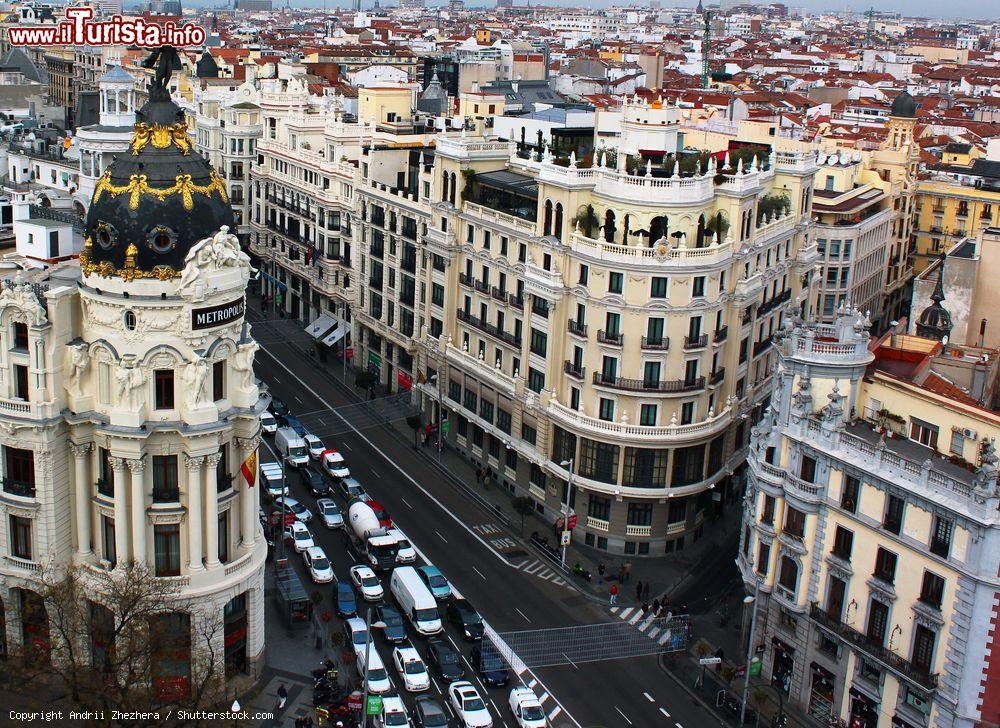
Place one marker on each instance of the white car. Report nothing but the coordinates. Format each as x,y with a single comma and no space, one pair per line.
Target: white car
367,583
356,631
300,537
393,714
270,477
301,512
406,554
378,677
330,513
318,565
411,669
315,446
469,706
527,709
334,465
268,424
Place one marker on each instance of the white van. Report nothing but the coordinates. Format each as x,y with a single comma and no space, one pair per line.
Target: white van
415,600
291,446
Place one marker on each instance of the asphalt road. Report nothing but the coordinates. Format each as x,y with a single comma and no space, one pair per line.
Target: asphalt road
467,545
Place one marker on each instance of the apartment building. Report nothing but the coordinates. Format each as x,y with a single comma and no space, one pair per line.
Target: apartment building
871,534
617,325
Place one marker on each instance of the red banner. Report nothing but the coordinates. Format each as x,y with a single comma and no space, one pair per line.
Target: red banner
404,380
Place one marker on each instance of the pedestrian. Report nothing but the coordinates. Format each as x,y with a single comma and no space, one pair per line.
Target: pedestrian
601,569
628,571
488,477
656,607
638,591
621,574
263,303
282,696
479,476
300,722
307,722
613,591
645,591
645,609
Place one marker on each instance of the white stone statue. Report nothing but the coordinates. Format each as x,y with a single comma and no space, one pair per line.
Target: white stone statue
21,295
78,362
243,362
196,374
222,250
130,380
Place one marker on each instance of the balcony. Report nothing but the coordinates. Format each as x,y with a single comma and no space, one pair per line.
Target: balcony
488,328
761,346
717,376
774,302
482,286
573,370
499,294
516,301
643,385
695,342
631,530
615,338
465,279
598,524
21,488
721,335
576,328
874,650
655,343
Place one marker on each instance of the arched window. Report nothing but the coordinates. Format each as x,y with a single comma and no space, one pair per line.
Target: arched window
444,186
547,227
700,238
557,231
609,226
454,184
657,229
788,577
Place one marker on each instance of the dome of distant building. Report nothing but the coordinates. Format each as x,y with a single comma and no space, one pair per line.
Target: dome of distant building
434,99
904,106
155,201
935,321
207,67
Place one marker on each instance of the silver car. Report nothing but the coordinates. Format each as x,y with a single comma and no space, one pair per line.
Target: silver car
330,513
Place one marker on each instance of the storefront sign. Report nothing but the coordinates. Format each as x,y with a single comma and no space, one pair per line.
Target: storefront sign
214,316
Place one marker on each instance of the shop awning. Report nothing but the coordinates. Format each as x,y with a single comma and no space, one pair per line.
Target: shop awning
338,333
321,326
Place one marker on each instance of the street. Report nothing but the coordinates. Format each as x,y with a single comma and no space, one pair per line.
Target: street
468,546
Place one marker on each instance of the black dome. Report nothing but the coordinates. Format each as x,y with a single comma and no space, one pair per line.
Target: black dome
206,67
935,321
904,107
155,201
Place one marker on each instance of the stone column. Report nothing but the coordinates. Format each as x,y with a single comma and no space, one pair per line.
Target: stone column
138,468
249,496
81,462
212,511
121,511
194,518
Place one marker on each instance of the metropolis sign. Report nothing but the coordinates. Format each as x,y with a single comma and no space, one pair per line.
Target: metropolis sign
225,313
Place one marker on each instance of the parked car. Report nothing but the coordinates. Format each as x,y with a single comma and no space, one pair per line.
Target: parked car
356,634
393,713
406,554
347,604
488,663
412,670
300,511
278,408
314,445
526,707
464,616
299,536
315,482
367,583
469,706
330,513
429,713
318,565
445,659
272,478
351,489
268,424
335,465
378,676
394,631
435,581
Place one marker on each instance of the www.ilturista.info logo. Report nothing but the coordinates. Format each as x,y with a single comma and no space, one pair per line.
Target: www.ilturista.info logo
78,29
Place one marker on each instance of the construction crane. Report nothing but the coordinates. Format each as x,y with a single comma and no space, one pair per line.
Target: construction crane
870,32
706,49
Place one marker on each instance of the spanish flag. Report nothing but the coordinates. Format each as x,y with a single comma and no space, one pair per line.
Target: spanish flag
249,469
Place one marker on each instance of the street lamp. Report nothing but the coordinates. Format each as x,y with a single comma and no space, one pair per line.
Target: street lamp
750,646
436,380
569,488
284,499
368,645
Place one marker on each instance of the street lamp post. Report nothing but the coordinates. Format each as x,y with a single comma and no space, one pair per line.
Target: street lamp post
569,489
750,646
368,645
440,418
284,499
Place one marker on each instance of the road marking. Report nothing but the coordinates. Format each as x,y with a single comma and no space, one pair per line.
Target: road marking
652,634
570,661
555,711
623,715
678,725
614,610
346,446
482,575
650,698
436,686
625,612
521,564
664,711
277,380
441,537
636,617
296,398
543,697
407,504
495,706
532,683
537,566
520,612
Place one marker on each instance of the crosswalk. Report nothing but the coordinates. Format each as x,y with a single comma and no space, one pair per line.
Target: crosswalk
515,554
668,633
551,708
541,570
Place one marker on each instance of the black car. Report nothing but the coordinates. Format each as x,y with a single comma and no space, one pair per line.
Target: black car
429,713
394,631
486,660
464,616
314,481
278,408
444,658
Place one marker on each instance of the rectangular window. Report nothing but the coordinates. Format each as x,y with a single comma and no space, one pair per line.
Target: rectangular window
584,274
615,282
941,537
788,577
698,287
167,545
607,409
645,467
640,514
689,465
20,537
19,472
932,590
687,413
795,523
849,494
486,410
924,433
885,565
599,460
878,618
218,380
957,442
835,598
651,373
165,489
767,512
658,287
470,400
224,537
20,336
164,382
539,342
893,519
843,543
21,390
763,559
807,471
108,540
503,420
536,380
529,434
223,480
677,513
647,415
599,507
923,648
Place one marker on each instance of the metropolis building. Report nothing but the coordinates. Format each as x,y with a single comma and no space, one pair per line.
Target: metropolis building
128,404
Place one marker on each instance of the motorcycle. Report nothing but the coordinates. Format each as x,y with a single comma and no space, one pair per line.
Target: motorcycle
328,668
583,573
